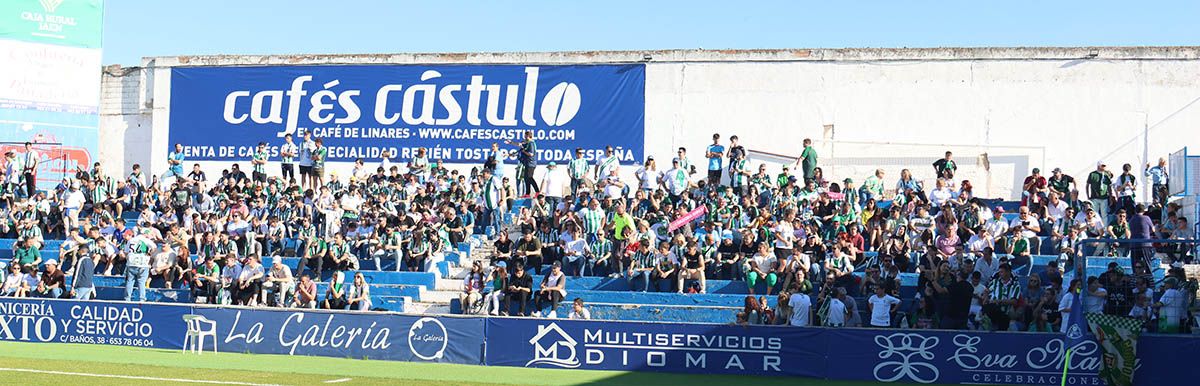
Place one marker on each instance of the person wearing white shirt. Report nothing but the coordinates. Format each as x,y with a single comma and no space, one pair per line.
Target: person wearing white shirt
1055,208
996,225
837,313
613,187
287,157
1172,306
676,180
649,178
1029,223
881,306
1065,303
801,309
578,311
987,264
1095,296
386,160
979,241
607,164
72,204
554,184
941,194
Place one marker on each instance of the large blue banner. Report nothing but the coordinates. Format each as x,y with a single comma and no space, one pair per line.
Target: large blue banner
695,348
119,324
341,334
925,356
455,111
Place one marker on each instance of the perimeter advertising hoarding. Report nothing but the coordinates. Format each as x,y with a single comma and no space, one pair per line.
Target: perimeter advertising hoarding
455,111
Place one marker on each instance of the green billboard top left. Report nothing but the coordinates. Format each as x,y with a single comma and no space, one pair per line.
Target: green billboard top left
75,23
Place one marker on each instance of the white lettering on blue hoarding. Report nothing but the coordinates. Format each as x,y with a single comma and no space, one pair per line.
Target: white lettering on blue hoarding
418,103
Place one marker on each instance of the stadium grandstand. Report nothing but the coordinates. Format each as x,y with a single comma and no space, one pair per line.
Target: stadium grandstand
841,214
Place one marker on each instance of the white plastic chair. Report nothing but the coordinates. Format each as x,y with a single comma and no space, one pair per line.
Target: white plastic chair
199,327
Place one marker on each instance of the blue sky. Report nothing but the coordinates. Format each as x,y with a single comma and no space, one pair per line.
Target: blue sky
137,28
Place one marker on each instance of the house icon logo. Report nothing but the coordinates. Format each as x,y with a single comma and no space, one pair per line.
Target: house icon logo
553,347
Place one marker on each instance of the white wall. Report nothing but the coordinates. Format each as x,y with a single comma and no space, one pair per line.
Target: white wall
1079,110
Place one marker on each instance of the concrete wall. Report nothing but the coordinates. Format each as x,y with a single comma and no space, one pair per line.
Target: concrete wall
1024,107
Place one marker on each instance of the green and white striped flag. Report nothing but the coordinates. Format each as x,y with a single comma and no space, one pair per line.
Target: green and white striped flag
1117,337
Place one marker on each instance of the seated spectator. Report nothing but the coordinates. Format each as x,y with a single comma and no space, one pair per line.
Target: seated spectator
691,266
360,294
552,290
163,266
249,282
499,283
758,268
472,289
279,282
206,281
26,254
520,288
756,312
578,311
335,295
306,293
53,281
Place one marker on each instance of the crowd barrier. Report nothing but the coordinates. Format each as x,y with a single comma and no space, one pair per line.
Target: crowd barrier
920,356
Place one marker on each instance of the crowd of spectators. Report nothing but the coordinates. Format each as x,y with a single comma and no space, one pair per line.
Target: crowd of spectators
797,234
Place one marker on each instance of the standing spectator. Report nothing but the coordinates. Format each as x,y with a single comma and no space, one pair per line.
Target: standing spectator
1126,188
1158,179
137,265
578,311
1066,302
1142,227
287,158
174,163
318,156
882,306
258,163
945,167
801,305
83,286
520,288
554,185
305,154
577,170
1093,300
1172,307
29,169
1099,190
715,153
808,161
527,156
1003,294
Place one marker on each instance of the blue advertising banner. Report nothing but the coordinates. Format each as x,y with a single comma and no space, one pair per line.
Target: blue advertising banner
118,324
949,357
455,111
924,356
695,348
343,334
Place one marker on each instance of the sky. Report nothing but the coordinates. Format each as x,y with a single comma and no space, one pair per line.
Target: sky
134,29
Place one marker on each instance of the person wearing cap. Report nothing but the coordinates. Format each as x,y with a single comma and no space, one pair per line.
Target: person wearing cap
1172,307
552,290
53,281
279,283
1099,190
1061,182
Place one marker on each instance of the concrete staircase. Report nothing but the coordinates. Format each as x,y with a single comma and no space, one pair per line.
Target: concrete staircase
437,301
